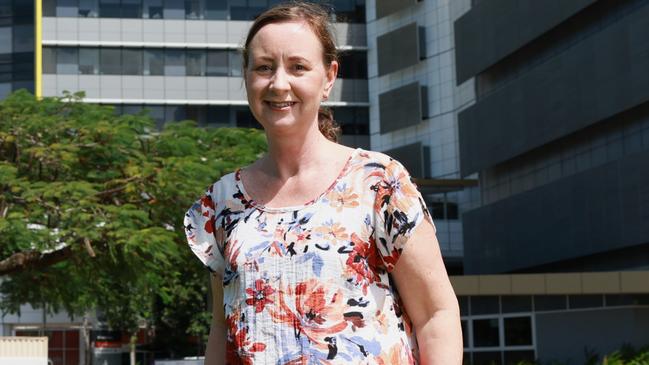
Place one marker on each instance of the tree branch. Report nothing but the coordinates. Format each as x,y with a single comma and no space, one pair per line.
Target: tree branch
22,261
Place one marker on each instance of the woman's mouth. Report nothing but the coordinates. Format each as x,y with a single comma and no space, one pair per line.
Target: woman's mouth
281,106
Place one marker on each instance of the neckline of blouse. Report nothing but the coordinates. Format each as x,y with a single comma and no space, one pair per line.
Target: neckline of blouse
259,206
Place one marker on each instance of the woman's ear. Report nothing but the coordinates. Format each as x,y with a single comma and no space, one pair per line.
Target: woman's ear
332,72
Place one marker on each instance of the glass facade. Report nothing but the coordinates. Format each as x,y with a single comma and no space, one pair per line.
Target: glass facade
349,11
16,46
168,62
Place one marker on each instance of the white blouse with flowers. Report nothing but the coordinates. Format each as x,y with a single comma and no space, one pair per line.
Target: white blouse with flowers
310,284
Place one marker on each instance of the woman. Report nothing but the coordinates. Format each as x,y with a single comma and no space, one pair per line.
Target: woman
354,275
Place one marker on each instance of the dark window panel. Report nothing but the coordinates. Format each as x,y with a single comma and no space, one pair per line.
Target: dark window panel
5,89
217,63
132,61
518,331
132,9
518,357
89,8
6,39
175,62
195,62
244,118
67,8
487,304
89,61
353,65
516,303
398,49
216,10
195,9
49,60
487,358
463,302
174,9
153,62
217,114
109,9
49,7
67,61
174,113
585,301
131,108
23,38
110,61
614,300
549,302
196,113
485,332
465,332
153,9
400,107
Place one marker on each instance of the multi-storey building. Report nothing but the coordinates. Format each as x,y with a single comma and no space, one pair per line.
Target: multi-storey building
559,135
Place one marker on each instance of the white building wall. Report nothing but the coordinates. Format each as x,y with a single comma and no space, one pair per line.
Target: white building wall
437,73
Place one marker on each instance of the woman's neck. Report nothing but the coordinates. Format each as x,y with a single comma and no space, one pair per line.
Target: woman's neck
289,155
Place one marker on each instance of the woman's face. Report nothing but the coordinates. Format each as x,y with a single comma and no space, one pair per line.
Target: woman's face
286,78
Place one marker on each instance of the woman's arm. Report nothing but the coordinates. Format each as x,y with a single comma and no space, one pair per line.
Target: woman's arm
429,299
215,352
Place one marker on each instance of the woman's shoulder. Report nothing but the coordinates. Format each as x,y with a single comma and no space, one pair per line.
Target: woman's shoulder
223,189
377,161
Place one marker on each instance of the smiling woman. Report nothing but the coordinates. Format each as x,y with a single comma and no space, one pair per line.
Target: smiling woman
320,254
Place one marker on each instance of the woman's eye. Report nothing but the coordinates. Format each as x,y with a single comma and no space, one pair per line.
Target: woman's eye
299,67
263,68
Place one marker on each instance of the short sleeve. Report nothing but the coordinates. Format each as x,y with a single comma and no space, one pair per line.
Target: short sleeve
201,232
398,210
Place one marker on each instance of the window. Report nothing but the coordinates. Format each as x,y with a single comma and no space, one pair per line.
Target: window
516,303
517,357
218,115
174,9
195,62
153,9
195,9
175,113
49,60
110,61
67,61
131,8
585,301
217,63
518,331
88,61
549,302
131,61
174,62
235,62
5,89
6,40
88,8
485,332
49,7
110,9
216,10
153,62
486,358
67,8
353,65
484,305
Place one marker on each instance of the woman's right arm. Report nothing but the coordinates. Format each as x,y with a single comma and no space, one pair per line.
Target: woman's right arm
215,352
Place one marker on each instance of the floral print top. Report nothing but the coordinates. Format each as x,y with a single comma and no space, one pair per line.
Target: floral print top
310,284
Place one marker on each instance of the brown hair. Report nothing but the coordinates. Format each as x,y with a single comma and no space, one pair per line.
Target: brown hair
317,18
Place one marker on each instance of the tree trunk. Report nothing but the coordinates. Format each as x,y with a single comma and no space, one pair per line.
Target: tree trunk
132,345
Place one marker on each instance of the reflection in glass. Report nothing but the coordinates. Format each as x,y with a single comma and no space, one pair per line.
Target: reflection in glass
485,332
88,8
174,62
67,61
153,62
195,9
67,8
174,9
49,60
131,8
89,61
109,9
195,60
5,89
153,9
216,10
235,63
110,61
23,35
49,7
6,40
131,61
217,63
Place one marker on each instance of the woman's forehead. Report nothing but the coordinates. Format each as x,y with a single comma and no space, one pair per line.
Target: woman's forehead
296,38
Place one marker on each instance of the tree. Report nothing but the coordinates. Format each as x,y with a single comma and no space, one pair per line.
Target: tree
91,208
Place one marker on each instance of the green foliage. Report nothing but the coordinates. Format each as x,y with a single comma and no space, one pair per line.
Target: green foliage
77,175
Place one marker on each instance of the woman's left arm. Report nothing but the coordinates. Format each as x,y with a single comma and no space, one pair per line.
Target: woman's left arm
424,286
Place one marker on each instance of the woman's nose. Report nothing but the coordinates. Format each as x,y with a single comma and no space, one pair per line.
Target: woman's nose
279,81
